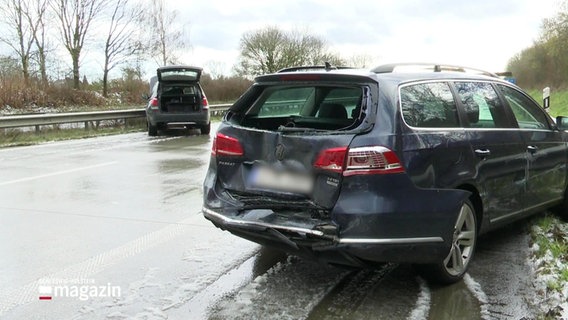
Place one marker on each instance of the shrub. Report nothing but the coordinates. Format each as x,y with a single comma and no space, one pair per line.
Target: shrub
224,89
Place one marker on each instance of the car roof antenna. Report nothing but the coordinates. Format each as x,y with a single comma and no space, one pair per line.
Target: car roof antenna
328,66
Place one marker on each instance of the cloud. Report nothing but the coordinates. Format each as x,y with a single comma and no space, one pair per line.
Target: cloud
484,33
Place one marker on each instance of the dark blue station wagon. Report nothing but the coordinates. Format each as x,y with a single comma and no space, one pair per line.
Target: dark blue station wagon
356,167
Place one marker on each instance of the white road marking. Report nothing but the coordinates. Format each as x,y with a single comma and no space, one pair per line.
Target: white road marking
29,292
57,173
423,302
475,288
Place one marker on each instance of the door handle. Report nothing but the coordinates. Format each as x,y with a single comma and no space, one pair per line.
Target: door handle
532,149
482,153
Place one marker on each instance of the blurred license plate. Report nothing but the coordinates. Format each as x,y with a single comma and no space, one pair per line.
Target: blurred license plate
266,178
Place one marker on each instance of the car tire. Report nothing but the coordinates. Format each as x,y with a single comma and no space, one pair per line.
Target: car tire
456,263
562,209
152,130
206,129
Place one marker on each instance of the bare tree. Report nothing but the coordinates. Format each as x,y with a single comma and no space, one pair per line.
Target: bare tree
270,49
261,51
216,69
165,35
37,20
360,60
75,18
120,44
20,35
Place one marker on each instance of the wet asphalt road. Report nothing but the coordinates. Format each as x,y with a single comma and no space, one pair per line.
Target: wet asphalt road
123,213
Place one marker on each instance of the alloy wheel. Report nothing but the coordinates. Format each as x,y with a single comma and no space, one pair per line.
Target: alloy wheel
463,243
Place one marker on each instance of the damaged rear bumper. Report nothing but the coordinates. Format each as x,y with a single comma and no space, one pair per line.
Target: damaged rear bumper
322,241
374,220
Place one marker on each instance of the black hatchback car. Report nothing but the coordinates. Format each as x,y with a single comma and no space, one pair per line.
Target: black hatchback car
177,100
357,167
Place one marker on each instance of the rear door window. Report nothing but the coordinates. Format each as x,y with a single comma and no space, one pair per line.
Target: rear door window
482,105
429,105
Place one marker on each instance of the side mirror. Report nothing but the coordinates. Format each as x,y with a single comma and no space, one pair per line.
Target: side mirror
562,122
145,96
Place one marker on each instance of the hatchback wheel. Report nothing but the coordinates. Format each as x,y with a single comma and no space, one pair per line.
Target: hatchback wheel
456,263
152,130
206,129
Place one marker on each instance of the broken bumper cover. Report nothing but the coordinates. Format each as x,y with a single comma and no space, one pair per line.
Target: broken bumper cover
374,220
313,239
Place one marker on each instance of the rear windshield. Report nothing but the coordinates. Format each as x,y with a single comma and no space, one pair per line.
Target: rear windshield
180,75
293,108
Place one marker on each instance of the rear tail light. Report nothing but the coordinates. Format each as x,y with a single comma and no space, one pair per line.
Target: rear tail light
359,161
154,103
372,160
226,146
204,103
331,159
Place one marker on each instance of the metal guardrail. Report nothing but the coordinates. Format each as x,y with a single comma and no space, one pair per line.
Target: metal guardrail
37,120
71,117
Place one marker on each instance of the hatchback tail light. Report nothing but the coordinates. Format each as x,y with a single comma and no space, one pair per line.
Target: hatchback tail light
154,103
226,146
204,102
359,161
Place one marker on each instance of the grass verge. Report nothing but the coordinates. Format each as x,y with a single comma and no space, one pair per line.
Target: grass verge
17,137
549,253
558,101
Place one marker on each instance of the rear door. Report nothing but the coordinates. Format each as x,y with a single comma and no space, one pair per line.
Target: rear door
288,152
545,149
500,156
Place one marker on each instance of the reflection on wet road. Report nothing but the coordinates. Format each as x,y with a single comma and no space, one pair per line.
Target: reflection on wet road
124,212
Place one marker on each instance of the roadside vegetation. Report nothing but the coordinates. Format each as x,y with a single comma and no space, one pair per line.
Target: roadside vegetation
549,253
15,137
558,100
546,61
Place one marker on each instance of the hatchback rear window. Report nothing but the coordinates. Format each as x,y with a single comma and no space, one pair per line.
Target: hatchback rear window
305,107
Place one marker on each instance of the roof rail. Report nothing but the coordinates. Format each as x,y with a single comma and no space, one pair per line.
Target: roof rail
434,67
326,67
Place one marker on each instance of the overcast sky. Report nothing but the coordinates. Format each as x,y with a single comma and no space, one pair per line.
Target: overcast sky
483,33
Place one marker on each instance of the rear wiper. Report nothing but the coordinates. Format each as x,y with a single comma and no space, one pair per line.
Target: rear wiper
299,129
